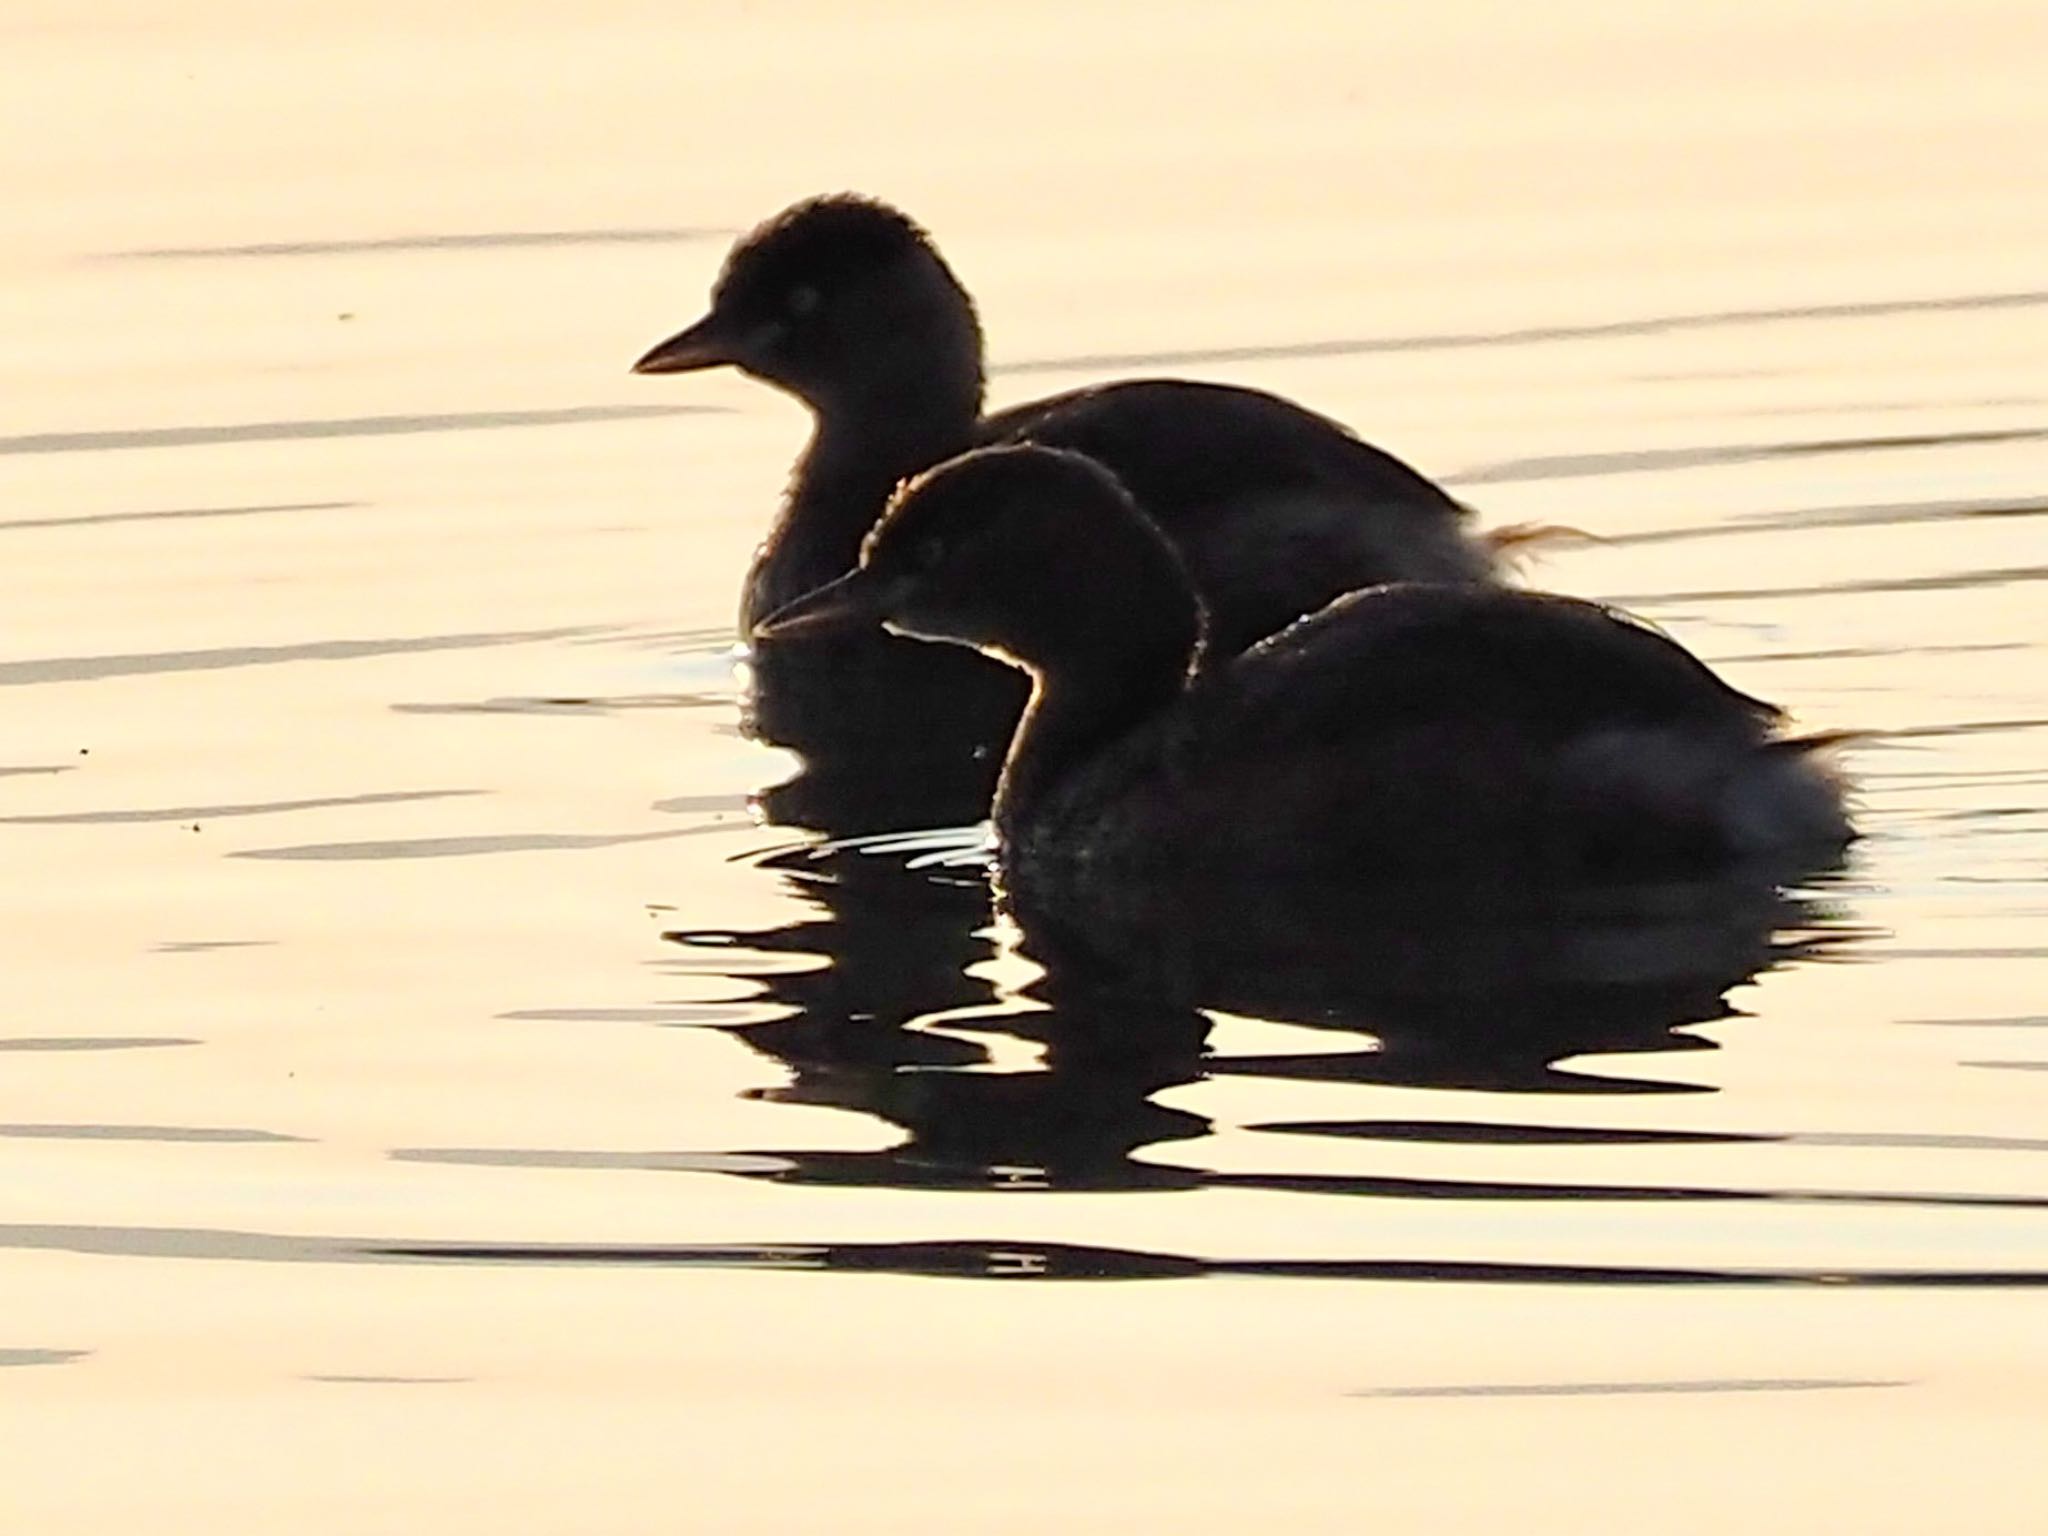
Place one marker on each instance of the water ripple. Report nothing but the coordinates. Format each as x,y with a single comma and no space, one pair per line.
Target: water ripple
342,426
13,1357
979,1258
481,240
463,847
1561,466
1598,330
1952,581
218,812
86,669
1629,1388
175,514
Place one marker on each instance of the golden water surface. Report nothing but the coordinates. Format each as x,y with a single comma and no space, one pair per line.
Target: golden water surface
422,1108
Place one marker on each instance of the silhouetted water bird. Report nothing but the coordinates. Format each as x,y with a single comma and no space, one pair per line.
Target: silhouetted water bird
844,303
1403,730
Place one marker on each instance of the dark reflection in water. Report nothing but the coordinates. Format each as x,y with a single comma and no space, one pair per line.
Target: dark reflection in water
1449,989
1026,1260
893,1027
891,733
1458,987
898,939
981,1259
1472,1133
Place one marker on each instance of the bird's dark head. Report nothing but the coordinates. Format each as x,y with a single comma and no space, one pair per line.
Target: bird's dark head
1035,553
841,300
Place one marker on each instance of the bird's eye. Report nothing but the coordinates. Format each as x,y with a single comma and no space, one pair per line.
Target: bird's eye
803,300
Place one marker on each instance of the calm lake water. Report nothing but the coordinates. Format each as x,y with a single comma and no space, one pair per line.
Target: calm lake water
429,1100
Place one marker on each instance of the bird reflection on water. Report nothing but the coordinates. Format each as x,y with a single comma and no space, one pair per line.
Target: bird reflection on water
1465,988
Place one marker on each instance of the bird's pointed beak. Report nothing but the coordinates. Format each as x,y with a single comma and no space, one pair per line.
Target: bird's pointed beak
710,343
857,600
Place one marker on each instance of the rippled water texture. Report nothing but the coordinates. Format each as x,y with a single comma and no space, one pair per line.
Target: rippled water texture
430,1102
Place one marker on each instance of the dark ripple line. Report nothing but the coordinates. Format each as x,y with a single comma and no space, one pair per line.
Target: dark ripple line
218,812
1629,1388
614,1162
1496,1133
465,847
180,1133
84,669
175,513
338,1379
680,1013
92,1042
15,1357
1952,728
1889,514
1386,1188
481,240
1023,1260
712,640
1599,330
1996,576
1869,653
1930,1140
340,426
1957,778
1573,465
683,805
594,706
1356,1186
1965,952
2002,1021
977,1258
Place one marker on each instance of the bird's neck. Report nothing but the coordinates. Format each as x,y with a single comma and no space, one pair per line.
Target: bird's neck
1101,687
